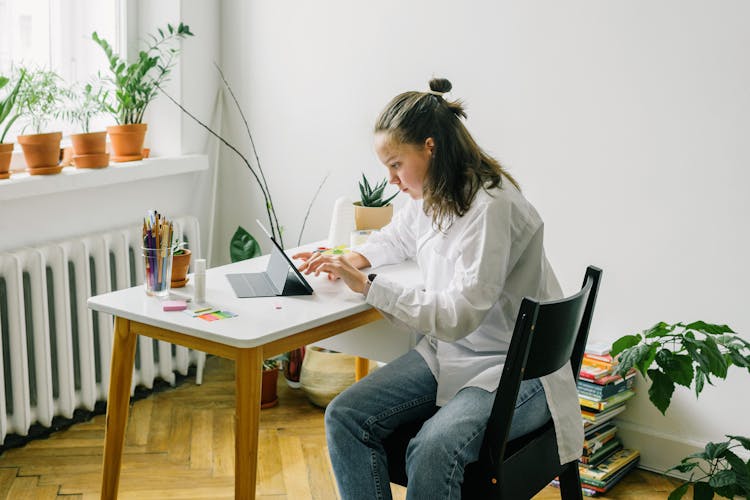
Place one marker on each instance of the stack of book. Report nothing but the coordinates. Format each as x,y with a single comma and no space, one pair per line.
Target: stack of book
602,396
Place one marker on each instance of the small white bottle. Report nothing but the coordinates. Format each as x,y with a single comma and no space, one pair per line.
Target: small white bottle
200,281
342,222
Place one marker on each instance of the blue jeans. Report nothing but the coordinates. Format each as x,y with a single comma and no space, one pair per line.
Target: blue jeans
359,418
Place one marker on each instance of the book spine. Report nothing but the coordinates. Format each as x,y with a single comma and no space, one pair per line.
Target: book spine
601,455
609,466
607,358
603,391
597,363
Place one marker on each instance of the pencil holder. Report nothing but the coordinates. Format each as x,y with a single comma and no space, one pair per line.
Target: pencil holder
158,266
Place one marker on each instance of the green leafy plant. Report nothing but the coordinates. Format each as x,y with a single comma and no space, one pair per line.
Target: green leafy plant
40,98
8,104
136,84
690,355
243,246
373,196
727,474
84,103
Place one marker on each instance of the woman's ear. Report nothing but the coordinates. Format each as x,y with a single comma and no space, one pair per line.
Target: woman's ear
429,144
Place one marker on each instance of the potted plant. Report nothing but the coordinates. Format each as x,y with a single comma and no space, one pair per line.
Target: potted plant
690,354
39,100
89,148
135,86
7,108
372,211
269,382
180,265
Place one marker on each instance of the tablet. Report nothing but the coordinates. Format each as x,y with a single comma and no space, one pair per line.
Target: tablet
280,278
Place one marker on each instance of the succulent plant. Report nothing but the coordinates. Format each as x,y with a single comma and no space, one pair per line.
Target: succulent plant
373,196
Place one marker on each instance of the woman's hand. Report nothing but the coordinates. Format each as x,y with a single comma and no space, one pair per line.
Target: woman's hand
337,266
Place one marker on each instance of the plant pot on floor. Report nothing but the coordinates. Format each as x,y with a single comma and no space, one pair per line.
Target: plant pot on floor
90,150
6,153
127,141
41,152
371,217
180,265
268,393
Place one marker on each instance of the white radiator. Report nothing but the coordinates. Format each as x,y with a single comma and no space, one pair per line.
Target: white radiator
55,352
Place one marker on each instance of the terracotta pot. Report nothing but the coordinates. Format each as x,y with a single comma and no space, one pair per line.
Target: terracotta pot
293,367
90,150
92,161
269,383
180,264
372,217
41,152
6,152
127,141
325,374
66,156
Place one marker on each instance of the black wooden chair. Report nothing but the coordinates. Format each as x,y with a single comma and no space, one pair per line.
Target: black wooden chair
545,337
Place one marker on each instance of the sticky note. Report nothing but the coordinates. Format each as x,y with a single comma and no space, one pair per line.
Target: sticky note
217,315
174,305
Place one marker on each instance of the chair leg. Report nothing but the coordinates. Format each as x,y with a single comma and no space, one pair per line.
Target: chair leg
570,482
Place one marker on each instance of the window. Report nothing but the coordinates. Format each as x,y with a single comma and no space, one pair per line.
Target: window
56,34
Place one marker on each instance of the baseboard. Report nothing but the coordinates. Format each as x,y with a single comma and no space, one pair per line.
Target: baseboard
659,450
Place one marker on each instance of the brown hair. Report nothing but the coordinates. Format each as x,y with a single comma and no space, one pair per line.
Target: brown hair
459,167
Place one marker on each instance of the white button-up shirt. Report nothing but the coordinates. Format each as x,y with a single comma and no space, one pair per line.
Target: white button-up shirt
475,274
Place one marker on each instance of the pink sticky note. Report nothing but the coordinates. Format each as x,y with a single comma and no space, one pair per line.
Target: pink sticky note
174,305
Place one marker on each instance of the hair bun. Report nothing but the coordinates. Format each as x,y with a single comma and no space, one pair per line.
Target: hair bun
440,85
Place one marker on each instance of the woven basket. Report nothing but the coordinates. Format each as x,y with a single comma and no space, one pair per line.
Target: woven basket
325,375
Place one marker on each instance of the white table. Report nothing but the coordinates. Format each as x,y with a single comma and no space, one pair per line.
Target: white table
264,327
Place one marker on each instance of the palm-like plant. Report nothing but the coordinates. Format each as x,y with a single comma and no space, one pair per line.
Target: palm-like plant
84,103
137,84
8,104
39,97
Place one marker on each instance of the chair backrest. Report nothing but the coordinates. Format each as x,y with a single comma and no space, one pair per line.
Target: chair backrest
546,336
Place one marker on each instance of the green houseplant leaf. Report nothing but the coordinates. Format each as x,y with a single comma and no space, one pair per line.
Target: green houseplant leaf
8,103
243,246
660,392
679,492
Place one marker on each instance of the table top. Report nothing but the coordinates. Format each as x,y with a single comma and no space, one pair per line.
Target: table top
259,320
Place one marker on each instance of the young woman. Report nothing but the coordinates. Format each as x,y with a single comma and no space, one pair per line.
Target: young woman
479,245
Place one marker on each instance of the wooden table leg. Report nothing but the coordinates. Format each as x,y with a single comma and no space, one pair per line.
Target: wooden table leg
121,375
248,375
361,368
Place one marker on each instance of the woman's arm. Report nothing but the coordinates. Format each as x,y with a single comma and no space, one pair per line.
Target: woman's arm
357,260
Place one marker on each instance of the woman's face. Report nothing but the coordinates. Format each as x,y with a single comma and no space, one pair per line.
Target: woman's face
407,164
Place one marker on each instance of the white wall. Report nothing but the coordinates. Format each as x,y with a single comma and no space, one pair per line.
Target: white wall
626,123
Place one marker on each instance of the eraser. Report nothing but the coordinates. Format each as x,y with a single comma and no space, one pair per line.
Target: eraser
174,305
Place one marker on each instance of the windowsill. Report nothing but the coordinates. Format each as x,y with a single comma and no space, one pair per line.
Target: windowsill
23,185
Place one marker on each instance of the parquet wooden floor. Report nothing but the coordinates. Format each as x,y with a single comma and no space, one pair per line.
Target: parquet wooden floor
180,444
